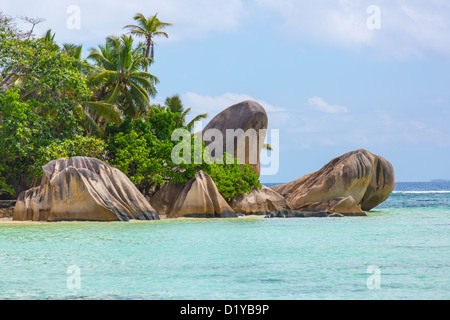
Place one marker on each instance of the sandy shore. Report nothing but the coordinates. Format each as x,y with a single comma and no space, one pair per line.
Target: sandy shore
10,221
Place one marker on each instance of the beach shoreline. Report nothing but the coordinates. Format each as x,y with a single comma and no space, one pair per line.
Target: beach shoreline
10,220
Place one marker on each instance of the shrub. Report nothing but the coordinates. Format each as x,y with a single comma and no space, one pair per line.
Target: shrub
233,179
68,148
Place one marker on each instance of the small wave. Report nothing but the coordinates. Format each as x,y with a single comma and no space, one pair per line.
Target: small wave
420,192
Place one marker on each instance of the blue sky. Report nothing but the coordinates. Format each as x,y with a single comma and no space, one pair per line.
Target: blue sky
329,83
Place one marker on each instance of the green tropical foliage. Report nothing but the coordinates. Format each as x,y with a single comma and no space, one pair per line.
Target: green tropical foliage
175,105
72,50
49,38
118,77
23,133
52,77
77,146
142,150
232,178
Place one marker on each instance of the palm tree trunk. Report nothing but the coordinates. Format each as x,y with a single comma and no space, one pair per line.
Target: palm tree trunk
147,52
152,46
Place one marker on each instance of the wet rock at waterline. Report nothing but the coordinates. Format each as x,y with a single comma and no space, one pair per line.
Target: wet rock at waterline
258,202
365,177
85,189
309,214
7,208
344,205
197,198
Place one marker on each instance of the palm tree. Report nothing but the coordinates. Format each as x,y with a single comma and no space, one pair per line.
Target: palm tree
72,50
148,28
95,115
49,40
49,37
175,105
118,78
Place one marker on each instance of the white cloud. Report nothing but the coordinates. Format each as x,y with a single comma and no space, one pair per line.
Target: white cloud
214,105
99,19
217,104
319,104
408,28
329,21
374,129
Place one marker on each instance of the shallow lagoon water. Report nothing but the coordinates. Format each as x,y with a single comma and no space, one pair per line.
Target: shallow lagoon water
407,238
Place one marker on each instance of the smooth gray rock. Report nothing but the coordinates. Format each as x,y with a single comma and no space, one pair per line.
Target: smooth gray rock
244,115
365,177
83,189
258,202
197,198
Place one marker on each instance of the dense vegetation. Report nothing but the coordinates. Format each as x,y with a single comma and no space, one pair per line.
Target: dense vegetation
56,104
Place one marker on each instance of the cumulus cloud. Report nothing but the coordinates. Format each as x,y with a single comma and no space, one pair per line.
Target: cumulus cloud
214,105
322,106
342,22
217,104
376,129
408,28
99,19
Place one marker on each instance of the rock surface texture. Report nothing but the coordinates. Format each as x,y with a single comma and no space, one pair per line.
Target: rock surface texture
85,189
352,183
7,208
258,202
245,118
197,198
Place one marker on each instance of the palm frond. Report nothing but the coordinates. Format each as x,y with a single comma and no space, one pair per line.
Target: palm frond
118,77
89,125
72,50
102,109
190,126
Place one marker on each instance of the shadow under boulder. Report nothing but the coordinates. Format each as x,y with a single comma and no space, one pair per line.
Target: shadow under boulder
308,214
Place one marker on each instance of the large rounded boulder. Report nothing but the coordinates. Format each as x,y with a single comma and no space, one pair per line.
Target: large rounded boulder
242,128
84,189
365,177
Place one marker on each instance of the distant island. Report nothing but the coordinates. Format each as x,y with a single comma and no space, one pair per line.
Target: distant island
440,180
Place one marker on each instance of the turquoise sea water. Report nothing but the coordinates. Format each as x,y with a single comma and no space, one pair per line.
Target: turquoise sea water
406,238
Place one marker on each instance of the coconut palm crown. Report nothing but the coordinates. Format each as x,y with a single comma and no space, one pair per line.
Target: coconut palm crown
119,79
148,28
